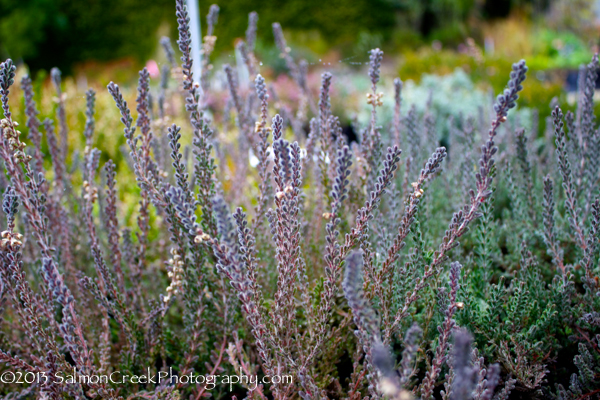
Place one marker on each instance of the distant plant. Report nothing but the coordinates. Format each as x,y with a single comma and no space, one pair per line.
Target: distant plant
353,268
65,33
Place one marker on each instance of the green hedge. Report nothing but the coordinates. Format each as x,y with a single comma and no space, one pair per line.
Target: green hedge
47,33
338,21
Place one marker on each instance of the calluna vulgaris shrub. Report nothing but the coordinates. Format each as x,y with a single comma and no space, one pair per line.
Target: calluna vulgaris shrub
356,270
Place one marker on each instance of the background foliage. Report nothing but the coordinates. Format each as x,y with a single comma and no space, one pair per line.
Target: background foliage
64,33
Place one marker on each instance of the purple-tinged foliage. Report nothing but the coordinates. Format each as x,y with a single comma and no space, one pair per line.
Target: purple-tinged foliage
211,19
445,330
549,225
295,69
10,206
251,31
7,78
397,122
408,368
568,185
375,58
168,49
90,99
465,373
61,112
334,256
33,123
364,316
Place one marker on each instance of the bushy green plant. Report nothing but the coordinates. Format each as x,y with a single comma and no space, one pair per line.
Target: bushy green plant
61,33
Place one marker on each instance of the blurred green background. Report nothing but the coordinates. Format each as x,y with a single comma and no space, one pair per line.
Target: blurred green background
68,33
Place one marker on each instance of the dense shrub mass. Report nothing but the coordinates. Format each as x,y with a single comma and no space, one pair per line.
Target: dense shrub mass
63,33
325,269
336,21
47,33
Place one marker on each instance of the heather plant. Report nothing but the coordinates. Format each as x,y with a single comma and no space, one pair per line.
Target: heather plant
386,267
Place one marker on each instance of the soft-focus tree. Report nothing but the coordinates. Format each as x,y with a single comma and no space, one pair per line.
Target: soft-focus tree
48,33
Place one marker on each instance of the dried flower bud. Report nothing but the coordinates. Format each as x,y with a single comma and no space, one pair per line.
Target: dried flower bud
176,272
200,238
12,241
